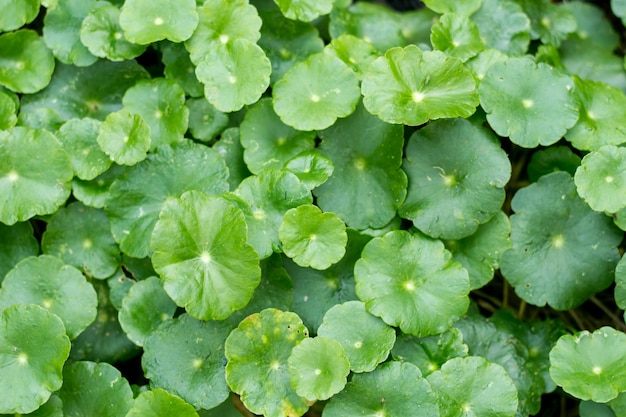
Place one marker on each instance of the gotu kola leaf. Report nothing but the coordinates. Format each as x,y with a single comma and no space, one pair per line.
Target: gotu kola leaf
158,402
79,139
305,10
16,13
125,137
601,179
27,63
456,35
146,22
201,253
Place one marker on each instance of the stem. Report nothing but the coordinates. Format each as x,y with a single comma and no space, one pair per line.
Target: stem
521,310
617,322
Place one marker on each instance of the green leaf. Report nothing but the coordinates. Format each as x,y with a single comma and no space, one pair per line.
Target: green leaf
367,185
312,238
601,106
16,13
457,35
322,87
55,286
205,121
620,284
257,352
145,307
16,243
588,365
158,402
563,252
229,147
551,23
8,109
311,167
52,408
393,389
161,104
35,175
365,339
185,356
408,86
593,27
531,103
33,349
410,281
305,10
430,352
480,64
234,74
355,52
619,8
125,137
137,195
618,405
267,141
457,172
451,6
146,22
264,199
480,253
471,385
102,34
555,158
27,63
504,26
600,179
200,252
61,31
81,237
79,139
95,192
179,68
318,368
221,22
94,389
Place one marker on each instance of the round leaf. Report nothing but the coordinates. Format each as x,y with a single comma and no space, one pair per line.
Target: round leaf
27,63
322,87
319,368
601,179
530,103
408,86
410,281
33,349
474,386
200,252
457,36
94,389
16,243
355,52
185,356
125,137
504,26
305,10
457,173
393,389
551,23
589,365
554,158
257,352
312,238
79,139
311,167
157,403
205,121
81,237
563,252
59,288
35,174
16,13
365,339
146,22
145,307
95,192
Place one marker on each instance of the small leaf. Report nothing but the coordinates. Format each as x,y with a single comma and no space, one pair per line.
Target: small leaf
16,13
158,402
355,52
600,179
305,10
95,192
504,26
185,356
588,365
312,238
147,22
205,121
311,167
16,243
179,68
257,352
79,139
551,23
322,87
27,63
318,368
410,281
125,137
33,349
408,86
456,35
451,6
200,252
554,158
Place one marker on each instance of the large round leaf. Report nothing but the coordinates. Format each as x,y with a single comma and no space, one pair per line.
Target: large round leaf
257,352
589,366
201,253
531,103
365,339
16,13
408,86
27,64
79,139
185,356
136,196
563,252
503,25
94,389
145,22
33,349
322,87
125,137
158,402
474,386
393,389
601,179
457,173
410,281
35,174
55,286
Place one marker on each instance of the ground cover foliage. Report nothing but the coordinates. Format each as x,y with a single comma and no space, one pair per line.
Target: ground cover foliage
312,207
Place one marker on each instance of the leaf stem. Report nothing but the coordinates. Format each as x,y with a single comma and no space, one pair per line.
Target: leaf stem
617,322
